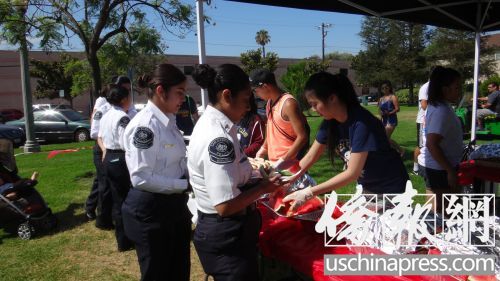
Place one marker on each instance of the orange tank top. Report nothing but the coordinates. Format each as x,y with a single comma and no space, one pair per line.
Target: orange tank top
279,132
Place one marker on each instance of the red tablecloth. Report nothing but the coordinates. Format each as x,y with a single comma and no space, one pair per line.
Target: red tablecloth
296,243
478,169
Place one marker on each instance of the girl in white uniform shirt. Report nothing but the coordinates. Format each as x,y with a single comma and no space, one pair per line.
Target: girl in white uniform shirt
155,213
226,235
110,139
100,194
94,201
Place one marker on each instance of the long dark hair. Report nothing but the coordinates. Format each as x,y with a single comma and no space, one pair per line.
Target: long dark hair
440,77
120,80
226,76
324,85
389,84
115,94
165,74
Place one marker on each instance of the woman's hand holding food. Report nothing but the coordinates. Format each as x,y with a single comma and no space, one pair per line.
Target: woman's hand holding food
299,197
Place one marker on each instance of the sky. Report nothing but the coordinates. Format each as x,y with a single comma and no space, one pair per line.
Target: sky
294,33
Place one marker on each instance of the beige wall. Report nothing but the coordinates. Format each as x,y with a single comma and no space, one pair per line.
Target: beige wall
10,79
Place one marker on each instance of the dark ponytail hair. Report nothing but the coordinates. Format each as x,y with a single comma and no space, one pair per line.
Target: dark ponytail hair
227,76
440,77
120,80
325,84
115,94
165,74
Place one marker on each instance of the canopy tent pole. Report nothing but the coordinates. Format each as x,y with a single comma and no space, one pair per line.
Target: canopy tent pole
476,86
477,50
201,44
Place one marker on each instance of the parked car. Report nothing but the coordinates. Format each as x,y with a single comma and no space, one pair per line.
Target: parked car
58,125
48,106
12,133
11,114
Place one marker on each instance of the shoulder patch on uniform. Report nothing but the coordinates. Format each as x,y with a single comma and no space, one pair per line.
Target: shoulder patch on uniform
124,121
143,138
221,151
97,115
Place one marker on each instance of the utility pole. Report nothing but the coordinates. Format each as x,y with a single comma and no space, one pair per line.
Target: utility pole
31,144
323,36
201,43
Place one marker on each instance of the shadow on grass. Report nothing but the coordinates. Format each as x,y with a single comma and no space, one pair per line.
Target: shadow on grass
68,219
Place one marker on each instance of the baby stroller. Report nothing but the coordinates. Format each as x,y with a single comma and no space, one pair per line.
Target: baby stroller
22,209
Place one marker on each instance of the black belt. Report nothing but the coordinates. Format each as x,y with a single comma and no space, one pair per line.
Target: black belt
184,192
248,210
115,150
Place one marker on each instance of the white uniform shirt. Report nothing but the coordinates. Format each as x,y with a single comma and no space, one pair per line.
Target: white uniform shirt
441,120
422,95
100,101
217,165
112,127
96,119
155,152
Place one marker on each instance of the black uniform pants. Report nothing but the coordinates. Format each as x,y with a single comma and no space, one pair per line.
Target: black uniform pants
160,227
119,182
227,247
104,201
92,199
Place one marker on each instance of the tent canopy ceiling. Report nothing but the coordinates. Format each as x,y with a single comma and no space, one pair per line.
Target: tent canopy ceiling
471,15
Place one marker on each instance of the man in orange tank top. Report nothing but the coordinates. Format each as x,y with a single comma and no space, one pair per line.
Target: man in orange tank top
287,130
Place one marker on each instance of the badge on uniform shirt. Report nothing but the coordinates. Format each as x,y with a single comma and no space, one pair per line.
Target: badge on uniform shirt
143,138
98,115
124,121
221,151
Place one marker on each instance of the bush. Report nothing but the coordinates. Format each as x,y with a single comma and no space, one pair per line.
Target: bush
404,95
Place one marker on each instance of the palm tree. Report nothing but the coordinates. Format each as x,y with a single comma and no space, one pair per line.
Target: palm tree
262,38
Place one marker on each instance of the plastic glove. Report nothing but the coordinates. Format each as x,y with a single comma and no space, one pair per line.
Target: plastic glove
277,163
262,153
281,164
299,197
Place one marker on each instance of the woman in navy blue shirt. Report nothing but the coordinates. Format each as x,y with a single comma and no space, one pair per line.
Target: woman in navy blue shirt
355,134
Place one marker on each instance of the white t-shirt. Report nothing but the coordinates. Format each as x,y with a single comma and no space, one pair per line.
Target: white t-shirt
441,119
422,95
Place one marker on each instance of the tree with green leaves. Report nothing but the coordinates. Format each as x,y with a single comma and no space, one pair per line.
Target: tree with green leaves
394,51
263,38
295,78
253,59
455,49
405,60
368,63
138,50
93,22
52,78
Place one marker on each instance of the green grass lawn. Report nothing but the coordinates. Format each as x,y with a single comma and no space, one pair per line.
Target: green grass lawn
77,250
